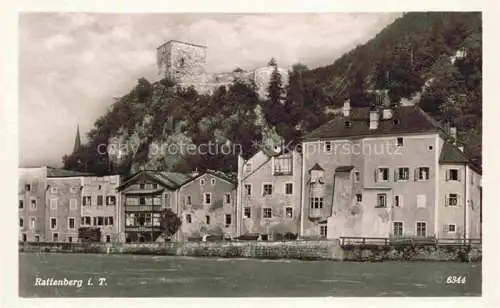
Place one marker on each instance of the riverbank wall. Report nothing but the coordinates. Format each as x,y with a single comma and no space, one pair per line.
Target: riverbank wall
299,250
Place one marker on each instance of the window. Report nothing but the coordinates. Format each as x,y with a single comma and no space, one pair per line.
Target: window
381,200
397,228
316,202
289,188
99,200
247,212
382,175
37,238
21,204
55,237
21,222
359,198
25,237
403,174
188,218
228,220
53,189
72,204
108,221
207,198
188,200
422,173
142,200
99,187
357,176
212,182
71,223
141,186
267,212
167,200
202,182
283,165
451,228
53,223
53,204
227,198
399,141
32,223
248,189
398,201
33,204
430,148
452,200
155,186
267,189
323,231
247,168
328,146
85,221
288,212
108,238
27,187
453,175
421,201
100,221
421,228
70,239
110,200
87,200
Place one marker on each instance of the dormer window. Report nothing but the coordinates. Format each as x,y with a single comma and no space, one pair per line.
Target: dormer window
347,123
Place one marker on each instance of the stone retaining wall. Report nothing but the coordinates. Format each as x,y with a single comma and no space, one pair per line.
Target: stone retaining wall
300,250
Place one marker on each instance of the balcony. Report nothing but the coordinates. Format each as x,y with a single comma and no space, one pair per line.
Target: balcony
143,208
142,228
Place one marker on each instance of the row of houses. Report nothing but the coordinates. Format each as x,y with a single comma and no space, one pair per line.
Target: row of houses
369,172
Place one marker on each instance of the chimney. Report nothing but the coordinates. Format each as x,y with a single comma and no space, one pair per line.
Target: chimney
346,110
453,133
195,173
374,116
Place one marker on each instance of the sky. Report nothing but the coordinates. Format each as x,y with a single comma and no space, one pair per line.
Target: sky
72,65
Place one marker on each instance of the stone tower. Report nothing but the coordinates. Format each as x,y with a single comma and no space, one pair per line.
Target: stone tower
184,62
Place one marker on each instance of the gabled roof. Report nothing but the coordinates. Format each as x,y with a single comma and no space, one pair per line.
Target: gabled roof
171,180
451,154
405,119
219,174
316,167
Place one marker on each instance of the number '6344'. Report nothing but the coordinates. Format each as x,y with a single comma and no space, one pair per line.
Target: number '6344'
455,279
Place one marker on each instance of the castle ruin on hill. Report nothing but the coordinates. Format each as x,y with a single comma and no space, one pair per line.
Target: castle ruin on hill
186,64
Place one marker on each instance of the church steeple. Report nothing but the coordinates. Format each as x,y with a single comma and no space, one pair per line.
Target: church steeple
77,145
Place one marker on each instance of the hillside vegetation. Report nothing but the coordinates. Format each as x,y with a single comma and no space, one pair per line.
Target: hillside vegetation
415,58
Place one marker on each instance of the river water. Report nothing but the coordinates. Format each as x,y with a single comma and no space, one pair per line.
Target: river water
102,275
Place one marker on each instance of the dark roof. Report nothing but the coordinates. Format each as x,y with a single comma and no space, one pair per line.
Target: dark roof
405,119
316,167
218,174
171,180
61,173
451,154
344,168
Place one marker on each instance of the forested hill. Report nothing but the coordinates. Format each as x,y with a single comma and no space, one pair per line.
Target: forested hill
415,50
435,59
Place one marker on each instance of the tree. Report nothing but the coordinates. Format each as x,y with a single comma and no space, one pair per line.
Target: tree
170,222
